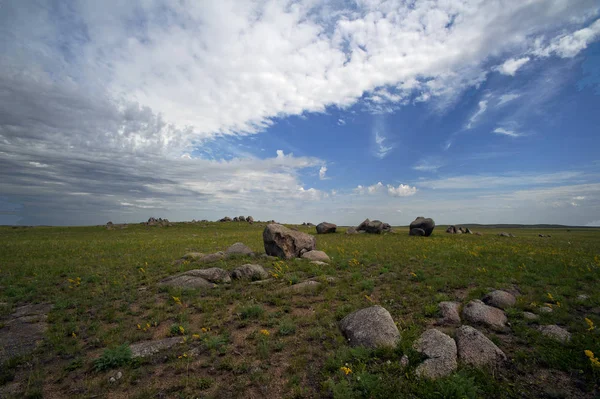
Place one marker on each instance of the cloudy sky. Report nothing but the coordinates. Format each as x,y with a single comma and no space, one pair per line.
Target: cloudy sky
306,110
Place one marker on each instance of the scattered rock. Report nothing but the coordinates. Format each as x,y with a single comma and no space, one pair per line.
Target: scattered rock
235,219
112,380
373,227
301,287
545,309
505,234
319,263
477,233
211,257
285,243
239,249
404,361
149,348
351,230
440,350
185,280
225,219
250,219
530,316
23,330
416,232
250,272
449,312
468,231
555,332
451,230
192,256
427,224
315,255
212,274
119,375
326,228
583,297
370,327
476,349
478,312
500,299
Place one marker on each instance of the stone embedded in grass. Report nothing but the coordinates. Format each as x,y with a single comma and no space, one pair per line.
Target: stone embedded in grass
212,274
302,287
185,280
23,330
480,313
371,327
530,316
286,243
476,349
326,228
149,348
505,234
545,309
449,312
250,272
500,299
583,297
319,263
315,255
211,257
440,350
555,332
239,249
191,256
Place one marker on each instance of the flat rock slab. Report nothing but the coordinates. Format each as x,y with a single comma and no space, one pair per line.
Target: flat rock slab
555,332
450,313
239,249
370,327
500,299
476,349
302,287
212,274
23,330
317,256
480,313
184,280
149,348
440,350
250,272
217,256
192,256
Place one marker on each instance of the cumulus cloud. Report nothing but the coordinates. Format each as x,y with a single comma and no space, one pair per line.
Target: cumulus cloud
322,173
570,44
510,66
402,190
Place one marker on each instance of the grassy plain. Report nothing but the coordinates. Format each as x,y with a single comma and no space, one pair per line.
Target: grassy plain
253,341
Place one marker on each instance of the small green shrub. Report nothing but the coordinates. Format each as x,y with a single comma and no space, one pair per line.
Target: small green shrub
286,327
252,312
112,358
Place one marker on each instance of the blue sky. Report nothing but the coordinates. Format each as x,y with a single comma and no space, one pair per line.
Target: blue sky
463,111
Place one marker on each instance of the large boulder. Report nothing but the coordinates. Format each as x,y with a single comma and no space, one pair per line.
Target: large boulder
427,224
416,232
500,299
372,226
451,230
242,218
315,255
479,313
476,349
370,327
326,228
239,249
225,219
286,243
250,219
440,350
250,272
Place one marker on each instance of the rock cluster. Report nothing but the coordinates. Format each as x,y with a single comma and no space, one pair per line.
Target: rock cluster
160,222
371,227
248,219
458,230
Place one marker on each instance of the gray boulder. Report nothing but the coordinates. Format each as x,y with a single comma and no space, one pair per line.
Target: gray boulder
476,349
250,272
351,230
315,255
301,287
416,232
326,228
500,299
239,249
191,256
213,274
370,327
468,231
286,243
149,348
449,312
250,219
556,333
440,350
451,230
241,218
480,313
235,219
371,226
211,257
530,316
427,224
185,280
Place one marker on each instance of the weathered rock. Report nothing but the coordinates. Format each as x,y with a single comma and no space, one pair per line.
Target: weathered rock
500,299
250,272
211,257
478,312
530,316
285,243
417,232
250,219
555,332
468,231
505,234
23,330
315,255
239,249
451,230
326,228
235,219
302,287
319,263
370,327
477,233
440,350
476,349
225,219
427,224
149,348
371,226
351,230
185,280
582,297
241,218
462,231
212,274
545,309
192,256
449,312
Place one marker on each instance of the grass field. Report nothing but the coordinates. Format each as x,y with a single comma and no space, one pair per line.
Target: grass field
245,340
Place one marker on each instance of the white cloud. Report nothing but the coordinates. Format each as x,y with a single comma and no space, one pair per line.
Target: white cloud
505,132
569,45
510,66
482,108
341,122
497,181
503,99
427,165
322,173
403,190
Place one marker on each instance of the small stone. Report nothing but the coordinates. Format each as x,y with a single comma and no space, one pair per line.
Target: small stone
211,257
480,313
315,255
250,272
370,327
449,312
545,309
112,380
239,249
555,332
148,348
119,375
476,349
192,256
404,361
301,287
530,316
500,299
583,297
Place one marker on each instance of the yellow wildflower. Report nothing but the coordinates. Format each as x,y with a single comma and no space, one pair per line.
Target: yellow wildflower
550,297
590,323
594,360
177,300
181,330
346,370
266,333
196,336
139,327
74,335
142,270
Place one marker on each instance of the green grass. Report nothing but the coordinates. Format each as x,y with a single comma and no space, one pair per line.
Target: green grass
103,285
